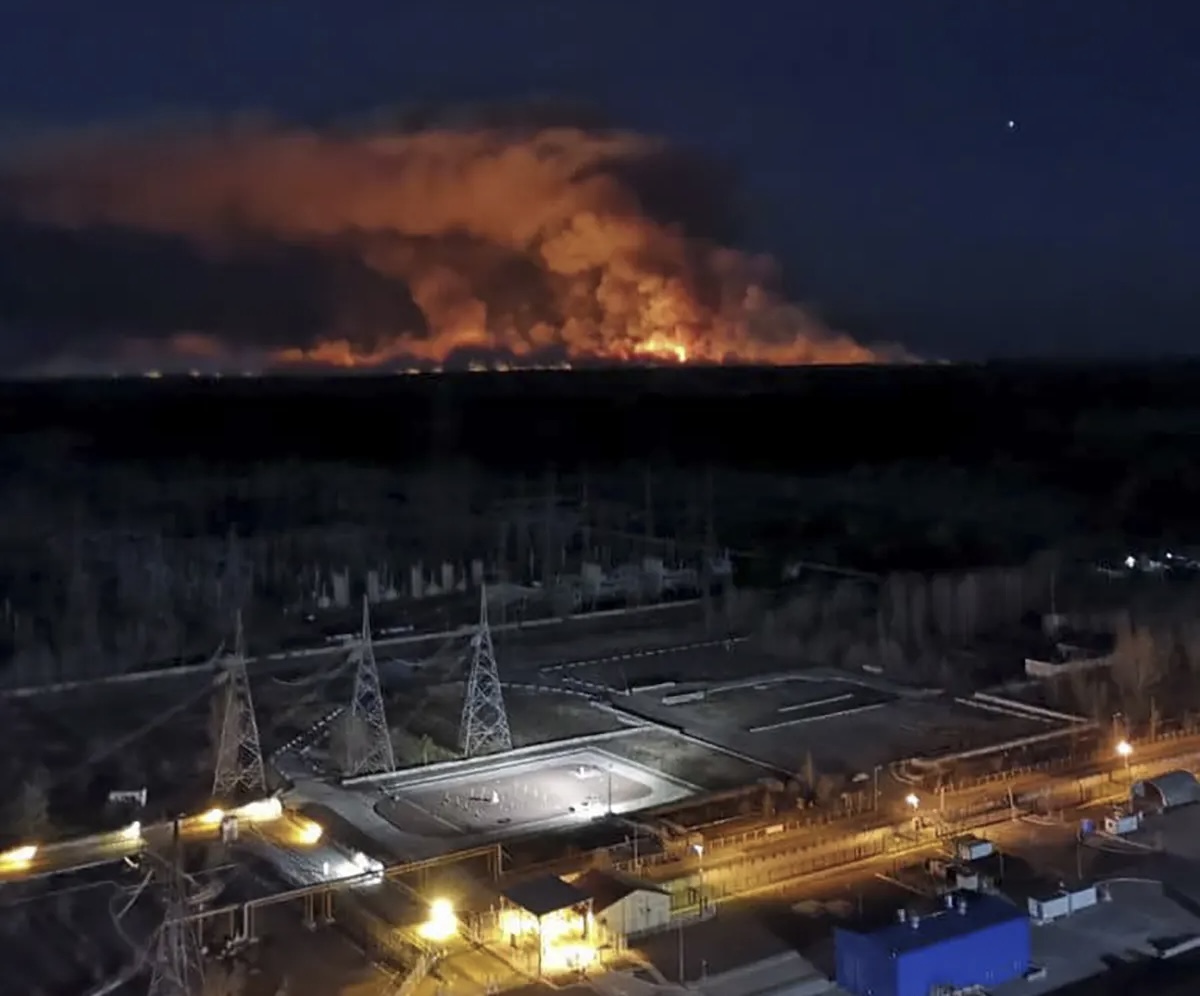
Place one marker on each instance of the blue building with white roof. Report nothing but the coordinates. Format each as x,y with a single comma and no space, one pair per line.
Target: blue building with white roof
971,940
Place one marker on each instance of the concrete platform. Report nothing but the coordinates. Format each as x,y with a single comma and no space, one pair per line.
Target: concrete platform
1135,925
418,815
552,792
848,726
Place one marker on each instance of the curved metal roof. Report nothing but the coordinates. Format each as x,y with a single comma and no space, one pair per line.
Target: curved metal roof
1175,788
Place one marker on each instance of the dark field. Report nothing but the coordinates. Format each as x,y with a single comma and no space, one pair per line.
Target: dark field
1119,433
137,515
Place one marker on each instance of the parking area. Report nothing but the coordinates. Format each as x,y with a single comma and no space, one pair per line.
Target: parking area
846,728
767,706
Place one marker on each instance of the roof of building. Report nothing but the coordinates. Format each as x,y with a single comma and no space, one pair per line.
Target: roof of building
606,887
1176,788
978,912
544,895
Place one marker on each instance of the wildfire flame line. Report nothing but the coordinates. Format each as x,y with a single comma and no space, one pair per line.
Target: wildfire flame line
519,246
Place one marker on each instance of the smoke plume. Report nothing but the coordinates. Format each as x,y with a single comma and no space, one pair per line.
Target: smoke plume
392,248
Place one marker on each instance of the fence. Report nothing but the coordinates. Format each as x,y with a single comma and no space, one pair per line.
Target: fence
1026,786
762,869
1090,762
417,974
383,942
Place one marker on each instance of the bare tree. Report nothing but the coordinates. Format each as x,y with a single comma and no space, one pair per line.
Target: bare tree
967,598
1137,664
29,815
348,738
942,604
860,655
826,788
894,607
918,612
844,605
1089,695
891,655
810,772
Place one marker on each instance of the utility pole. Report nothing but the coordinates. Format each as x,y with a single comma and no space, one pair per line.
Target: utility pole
369,746
484,727
681,962
239,774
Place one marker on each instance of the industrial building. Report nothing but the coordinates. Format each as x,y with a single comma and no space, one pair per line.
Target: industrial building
1165,791
549,919
625,906
1052,902
971,940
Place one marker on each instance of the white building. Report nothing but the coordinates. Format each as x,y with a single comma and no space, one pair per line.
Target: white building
625,906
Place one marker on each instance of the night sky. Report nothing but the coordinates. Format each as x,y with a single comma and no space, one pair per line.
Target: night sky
871,138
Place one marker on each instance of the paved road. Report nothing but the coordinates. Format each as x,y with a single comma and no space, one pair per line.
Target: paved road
322,654
718,853
116,845
792,875
724,856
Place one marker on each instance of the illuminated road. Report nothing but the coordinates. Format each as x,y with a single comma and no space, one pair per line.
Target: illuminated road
35,860
791,873
804,860
721,863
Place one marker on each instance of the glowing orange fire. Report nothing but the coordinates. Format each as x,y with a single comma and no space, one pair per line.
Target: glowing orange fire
661,347
527,245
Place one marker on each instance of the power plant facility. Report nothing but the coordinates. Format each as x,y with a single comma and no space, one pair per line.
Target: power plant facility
597,778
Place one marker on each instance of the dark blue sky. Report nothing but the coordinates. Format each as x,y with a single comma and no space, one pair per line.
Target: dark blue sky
871,135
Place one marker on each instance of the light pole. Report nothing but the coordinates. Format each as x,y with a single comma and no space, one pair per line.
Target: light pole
681,962
699,849
1125,751
914,804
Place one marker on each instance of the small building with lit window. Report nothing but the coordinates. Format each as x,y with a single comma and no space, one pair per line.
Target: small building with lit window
549,920
625,906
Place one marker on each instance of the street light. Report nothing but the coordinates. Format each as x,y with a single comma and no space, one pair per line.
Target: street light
1125,751
914,804
442,923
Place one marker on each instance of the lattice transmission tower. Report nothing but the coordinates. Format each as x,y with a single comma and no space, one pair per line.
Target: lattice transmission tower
484,727
239,774
368,749
177,965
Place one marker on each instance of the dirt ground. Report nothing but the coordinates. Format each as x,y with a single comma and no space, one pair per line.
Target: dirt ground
533,717
708,769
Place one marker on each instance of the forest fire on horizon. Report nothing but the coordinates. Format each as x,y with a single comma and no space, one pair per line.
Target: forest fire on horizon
340,250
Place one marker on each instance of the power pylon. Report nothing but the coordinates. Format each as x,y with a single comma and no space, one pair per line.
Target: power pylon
368,749
239,774
484,727
177,966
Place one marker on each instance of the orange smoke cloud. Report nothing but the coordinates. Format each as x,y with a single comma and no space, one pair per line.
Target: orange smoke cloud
521,245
